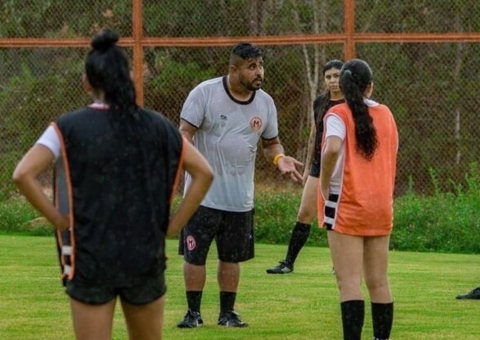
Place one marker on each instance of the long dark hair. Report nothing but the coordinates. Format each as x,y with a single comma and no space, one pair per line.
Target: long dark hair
325,95
355,77
107,69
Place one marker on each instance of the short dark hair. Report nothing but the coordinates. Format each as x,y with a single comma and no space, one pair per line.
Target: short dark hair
245,51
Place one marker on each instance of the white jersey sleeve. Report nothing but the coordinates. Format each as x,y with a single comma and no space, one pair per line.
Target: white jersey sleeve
193,110
271,130
335,127
50,139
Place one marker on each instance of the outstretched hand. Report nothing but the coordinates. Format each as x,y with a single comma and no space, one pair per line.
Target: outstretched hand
288,166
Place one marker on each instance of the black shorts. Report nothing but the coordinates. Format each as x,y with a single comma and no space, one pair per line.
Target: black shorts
144,291
315,167
232,231
315,170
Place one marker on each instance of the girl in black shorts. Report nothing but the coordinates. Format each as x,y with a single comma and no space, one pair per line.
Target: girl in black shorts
308,206
116,168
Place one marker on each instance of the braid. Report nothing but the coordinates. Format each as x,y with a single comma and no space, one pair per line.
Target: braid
356,76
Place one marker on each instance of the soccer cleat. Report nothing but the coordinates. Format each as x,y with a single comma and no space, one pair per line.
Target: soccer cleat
474,294
282,268
231,319
191,320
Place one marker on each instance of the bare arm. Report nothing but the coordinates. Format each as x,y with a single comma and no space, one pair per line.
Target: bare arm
187,130
202,175
273,151
33,163
333,145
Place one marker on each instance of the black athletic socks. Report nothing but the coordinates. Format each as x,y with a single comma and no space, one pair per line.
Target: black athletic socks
194,300
227,301
382,318
353,315
299,237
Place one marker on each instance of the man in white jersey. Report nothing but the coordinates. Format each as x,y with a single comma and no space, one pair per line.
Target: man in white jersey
225,118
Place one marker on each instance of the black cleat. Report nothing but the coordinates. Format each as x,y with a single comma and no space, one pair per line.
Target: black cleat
231,319
191,320
282,268
474,294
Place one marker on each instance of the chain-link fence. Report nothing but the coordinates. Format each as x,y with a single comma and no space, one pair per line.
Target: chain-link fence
424,54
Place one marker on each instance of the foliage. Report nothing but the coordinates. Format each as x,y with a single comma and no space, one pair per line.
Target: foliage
33,97
18,217
61,18
444,222
431,88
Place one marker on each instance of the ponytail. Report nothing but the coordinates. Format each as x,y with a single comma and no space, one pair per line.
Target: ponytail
355,78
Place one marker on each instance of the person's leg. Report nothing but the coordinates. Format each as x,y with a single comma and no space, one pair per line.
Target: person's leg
228,276
194,278
305,217
347,257
197,238
235,244
144,322
376,279
301,231
92,322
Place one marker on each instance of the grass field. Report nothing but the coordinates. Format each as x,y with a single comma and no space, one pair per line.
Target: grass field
303,305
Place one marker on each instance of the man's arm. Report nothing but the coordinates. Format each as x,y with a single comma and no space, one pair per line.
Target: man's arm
274,152
187,130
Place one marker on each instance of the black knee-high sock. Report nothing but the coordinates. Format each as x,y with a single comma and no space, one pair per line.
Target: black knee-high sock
299,237
194,300
353,314
227,301
382,319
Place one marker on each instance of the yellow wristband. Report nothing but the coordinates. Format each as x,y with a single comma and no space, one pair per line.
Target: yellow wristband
276,158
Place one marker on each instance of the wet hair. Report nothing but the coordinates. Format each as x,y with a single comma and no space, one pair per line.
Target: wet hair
245,51
336,64
356,75
107,69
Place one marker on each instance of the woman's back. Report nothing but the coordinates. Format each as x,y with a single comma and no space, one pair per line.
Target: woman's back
122,172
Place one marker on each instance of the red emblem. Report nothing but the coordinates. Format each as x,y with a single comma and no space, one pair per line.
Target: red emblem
191,244
255,123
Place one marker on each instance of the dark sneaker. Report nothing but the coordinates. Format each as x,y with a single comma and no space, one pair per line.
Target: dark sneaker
191,320
473,294
282,268
231,319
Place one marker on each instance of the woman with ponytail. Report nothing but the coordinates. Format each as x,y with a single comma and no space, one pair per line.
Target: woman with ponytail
116,170
355,203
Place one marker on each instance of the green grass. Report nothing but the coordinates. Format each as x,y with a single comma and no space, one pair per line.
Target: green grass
303,305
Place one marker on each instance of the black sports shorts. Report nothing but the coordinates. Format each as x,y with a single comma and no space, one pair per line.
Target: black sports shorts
144,291
232,231
315,167
315,170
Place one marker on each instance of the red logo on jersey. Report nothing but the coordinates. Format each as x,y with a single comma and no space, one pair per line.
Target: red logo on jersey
256,123
191,244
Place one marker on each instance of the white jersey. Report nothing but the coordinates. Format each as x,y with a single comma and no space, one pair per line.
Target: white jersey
228,135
